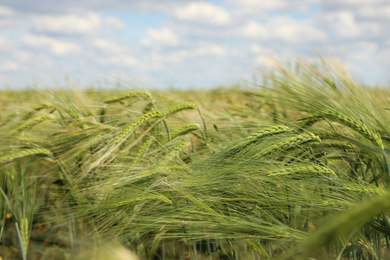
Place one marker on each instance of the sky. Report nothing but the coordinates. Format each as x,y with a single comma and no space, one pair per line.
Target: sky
186,44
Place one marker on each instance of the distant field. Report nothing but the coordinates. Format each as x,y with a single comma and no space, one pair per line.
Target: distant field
293,168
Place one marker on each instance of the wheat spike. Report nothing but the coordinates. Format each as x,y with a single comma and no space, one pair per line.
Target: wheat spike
287,144
173,153
32,122
26,152
179,107
158,197
141,151
253,139
32,139
358,125
140,120
368,188
184,130
306,169
128,95
35,109
268,131
24,230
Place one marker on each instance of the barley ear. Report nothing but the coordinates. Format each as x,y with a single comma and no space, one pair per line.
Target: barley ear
173,153
35,109
24,153
287,144
140,94
32,122
24,230
140,120
142,150
254,138
268,131
184,130
179,107
357,125
305,169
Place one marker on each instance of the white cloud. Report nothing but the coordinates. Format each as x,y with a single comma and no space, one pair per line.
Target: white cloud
344,24
158,60
66,24
9,66
23,56
375,12
353,2
257,8
163,37
290,30
283,28
209,50
5,43
261,5
107,46
6,11
263,57
123,60
266,61
204,13
364,50
254,30
255,48
115,23
56,47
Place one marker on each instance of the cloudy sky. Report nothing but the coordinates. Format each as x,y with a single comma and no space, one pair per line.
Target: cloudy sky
155,43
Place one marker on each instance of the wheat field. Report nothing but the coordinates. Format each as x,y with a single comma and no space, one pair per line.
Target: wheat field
295,167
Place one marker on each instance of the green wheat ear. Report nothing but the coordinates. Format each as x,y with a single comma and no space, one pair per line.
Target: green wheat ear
268,131
35,109
24,153
32,122
287,144
252,139
32,139
140,120
24,230
140,94
185,130
179,107
173,153
357,125
305,169
142,150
